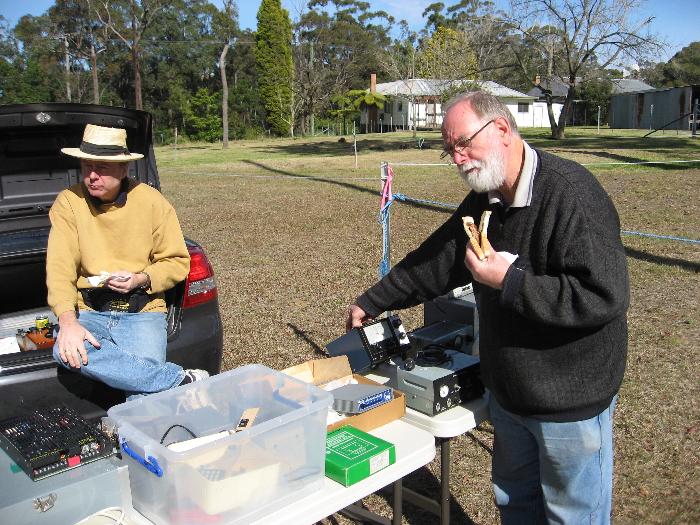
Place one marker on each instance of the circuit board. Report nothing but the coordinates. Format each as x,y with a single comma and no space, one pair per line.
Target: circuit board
52,440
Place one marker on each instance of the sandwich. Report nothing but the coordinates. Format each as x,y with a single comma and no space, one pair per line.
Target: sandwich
478,236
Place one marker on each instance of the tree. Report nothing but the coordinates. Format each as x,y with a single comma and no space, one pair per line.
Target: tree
129,21
273,56
447,55
360,98
573,40
596,94
342,107
37,62
399,62
202,116
339,44
684,67
226,27
84,37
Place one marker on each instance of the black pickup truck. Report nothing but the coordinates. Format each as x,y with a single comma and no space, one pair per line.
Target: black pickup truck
32,172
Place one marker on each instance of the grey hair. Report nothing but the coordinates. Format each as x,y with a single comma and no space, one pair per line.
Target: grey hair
484,105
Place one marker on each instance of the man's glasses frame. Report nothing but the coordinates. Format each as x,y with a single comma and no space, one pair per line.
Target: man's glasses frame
462,144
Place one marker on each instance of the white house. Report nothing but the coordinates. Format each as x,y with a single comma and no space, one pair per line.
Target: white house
418,100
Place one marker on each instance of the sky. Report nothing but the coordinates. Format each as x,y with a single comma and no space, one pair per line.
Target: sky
675,20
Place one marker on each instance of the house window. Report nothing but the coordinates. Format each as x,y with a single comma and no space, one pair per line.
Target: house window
400,107
523,107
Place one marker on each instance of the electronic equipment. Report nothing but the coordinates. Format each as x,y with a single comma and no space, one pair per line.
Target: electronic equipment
358,398
52,440
373,343
440,380
444,335
458,306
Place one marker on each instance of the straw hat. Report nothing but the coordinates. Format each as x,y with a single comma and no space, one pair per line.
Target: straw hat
105,144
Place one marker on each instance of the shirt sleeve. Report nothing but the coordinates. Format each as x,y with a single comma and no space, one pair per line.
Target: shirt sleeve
62,257
586,283
170,260
434,268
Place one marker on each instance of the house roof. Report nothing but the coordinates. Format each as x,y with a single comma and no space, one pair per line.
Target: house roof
558,88
629,85
619,85
434,87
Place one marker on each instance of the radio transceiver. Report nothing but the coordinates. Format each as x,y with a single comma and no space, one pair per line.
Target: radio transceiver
372,343
437,383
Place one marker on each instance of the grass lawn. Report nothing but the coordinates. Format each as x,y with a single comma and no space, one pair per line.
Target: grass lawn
290,226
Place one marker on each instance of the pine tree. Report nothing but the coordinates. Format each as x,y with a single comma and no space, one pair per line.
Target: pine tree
273,57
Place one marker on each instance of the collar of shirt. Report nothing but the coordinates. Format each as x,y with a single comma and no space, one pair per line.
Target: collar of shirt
119,201
523,193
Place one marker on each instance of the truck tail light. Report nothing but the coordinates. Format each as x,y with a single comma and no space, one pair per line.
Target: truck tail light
200,286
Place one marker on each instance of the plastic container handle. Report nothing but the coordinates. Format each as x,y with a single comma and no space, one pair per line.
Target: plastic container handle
151,463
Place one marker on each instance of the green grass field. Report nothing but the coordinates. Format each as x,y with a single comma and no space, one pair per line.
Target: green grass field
290,226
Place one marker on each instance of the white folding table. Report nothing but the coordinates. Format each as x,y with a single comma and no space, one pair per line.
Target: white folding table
415,448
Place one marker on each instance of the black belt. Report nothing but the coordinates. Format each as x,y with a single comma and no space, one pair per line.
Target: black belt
106,300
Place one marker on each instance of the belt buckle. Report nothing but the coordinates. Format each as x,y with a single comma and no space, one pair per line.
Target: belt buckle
119,305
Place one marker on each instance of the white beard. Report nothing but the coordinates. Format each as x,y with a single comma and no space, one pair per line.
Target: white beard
484,175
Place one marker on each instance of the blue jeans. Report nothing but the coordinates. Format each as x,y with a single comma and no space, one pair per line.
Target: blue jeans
131,356
547,472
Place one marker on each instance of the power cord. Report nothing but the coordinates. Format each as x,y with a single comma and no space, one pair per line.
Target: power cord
177,426
433,354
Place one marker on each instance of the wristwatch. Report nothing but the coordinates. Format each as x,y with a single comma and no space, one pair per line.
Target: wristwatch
147,284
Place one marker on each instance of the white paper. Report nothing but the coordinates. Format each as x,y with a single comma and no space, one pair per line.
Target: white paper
510,257
9,345
100,280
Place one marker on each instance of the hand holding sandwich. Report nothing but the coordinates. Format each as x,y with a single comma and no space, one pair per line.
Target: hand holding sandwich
487,266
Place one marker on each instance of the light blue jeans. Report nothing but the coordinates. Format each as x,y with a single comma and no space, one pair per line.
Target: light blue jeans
546,472
131,356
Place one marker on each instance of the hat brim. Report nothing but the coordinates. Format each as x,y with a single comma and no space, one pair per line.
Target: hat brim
77,152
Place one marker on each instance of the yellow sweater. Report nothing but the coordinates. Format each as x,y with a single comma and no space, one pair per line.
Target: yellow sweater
143,235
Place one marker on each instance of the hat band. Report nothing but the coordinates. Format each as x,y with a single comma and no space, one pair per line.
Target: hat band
102,151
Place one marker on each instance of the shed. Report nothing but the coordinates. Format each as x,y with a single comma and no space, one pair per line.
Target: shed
667,108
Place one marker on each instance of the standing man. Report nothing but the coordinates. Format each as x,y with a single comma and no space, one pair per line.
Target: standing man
115,246
552,303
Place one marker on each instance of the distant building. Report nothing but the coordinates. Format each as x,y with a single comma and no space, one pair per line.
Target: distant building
629,85
577,114
667,108
419,101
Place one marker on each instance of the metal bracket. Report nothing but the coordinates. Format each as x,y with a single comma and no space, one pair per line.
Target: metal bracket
45,503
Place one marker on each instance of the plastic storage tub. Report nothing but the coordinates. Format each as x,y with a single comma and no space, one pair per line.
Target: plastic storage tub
235,478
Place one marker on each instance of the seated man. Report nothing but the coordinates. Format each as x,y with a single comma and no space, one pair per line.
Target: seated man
113,328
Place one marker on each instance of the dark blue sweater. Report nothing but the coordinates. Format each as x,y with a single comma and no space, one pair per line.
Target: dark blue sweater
553,342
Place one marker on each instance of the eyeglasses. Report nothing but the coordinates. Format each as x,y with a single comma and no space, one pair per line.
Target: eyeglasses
462,144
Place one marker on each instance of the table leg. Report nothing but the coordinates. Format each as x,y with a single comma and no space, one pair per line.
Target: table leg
440,507
444,481
357,513
398,502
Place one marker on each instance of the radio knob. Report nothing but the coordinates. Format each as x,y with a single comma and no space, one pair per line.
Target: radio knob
444,390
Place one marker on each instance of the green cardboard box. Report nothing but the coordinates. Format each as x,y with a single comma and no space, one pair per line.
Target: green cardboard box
352,455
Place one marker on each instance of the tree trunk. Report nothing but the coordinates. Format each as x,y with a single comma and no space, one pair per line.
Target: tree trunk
137,76
558,132
224,96
68,92
135,59
95,83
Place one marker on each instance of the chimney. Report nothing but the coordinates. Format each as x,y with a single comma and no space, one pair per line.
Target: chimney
373,83
537,80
